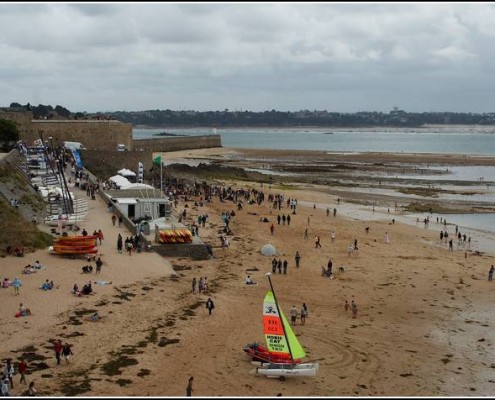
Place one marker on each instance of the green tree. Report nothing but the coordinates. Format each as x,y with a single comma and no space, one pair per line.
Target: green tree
9,134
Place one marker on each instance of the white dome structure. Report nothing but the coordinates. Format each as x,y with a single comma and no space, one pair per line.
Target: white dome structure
269,250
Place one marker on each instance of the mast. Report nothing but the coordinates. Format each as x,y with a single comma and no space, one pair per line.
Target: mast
268,274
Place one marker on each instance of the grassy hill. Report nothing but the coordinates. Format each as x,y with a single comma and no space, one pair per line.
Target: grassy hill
16,226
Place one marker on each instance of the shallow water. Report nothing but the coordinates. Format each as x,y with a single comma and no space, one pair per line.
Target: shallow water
455,141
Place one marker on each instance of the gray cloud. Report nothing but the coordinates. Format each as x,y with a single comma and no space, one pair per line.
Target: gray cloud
252,56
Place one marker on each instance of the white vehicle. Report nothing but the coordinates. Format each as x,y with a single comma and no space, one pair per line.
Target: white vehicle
74,146
121,147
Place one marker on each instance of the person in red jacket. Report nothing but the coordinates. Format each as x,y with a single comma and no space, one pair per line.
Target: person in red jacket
58,350
22,371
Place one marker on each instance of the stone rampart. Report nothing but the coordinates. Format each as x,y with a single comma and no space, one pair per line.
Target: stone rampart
93,134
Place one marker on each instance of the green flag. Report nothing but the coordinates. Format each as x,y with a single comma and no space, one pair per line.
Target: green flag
157,160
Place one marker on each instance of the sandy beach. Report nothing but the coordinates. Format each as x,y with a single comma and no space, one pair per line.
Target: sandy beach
423,328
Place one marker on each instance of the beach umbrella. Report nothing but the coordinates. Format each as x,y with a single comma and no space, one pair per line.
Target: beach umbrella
268,250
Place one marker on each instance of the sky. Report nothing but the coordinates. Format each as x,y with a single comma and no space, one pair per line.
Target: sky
249,56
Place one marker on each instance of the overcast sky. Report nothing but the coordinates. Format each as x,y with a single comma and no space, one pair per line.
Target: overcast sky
344,57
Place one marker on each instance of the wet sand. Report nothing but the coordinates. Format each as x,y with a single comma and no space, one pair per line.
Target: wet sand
423,326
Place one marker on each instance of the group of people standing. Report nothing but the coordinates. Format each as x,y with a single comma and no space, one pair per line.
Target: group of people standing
278,264
303,313
202,285
7,378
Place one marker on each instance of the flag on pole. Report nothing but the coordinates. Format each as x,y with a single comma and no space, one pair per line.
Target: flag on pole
157,160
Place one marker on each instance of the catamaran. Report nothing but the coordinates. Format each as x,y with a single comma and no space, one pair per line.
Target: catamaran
282,343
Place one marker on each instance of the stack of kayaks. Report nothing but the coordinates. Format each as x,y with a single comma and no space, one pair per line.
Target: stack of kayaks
175,236
74,245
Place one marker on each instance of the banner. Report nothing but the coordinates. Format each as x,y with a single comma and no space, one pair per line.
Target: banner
77,158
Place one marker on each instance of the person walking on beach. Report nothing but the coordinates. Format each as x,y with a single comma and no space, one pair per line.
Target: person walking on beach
210,305
16,283
297,258
194,285
67,352
451,245
306,234
329,267
274,265
490,273
272,228
119,243
317,241
304,313
346,306
279,266
114,219
286,264
354,309
387,239
189,388
57,347
293,315
333,236
22,370
9,372
99,263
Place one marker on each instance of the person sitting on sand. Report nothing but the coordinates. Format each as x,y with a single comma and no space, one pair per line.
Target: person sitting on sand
249,280
87,289
37,265
23,310
75,289
94,317
46,285
28,269
19,251
6,283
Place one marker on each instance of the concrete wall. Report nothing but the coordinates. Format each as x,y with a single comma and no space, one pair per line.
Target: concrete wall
117,159
165,144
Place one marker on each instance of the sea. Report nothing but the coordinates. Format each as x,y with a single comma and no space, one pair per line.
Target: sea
470,141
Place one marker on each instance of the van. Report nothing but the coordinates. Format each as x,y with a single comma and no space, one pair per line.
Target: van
74,145
121,147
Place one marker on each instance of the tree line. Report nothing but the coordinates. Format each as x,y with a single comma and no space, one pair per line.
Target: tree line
272,118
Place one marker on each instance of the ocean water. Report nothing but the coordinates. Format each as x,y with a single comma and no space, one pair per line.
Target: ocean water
469,141
359,140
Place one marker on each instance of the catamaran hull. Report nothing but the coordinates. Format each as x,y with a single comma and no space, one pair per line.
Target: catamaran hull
261,353
277,370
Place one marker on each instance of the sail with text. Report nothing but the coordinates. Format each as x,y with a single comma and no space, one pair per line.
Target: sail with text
274,326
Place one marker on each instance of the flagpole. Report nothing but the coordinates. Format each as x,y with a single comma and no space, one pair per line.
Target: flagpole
161,174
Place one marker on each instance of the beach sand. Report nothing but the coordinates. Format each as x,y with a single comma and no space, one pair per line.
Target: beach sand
424,325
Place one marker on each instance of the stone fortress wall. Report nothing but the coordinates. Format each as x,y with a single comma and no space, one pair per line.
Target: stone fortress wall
101,134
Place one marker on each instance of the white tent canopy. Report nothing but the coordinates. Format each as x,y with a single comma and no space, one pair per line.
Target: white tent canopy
120,181
269,250
126,172
136,186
